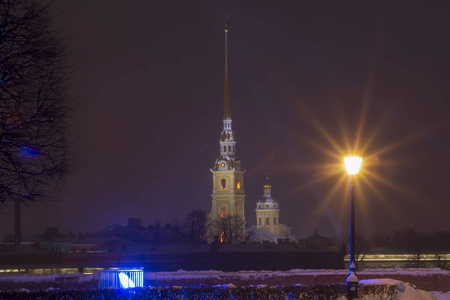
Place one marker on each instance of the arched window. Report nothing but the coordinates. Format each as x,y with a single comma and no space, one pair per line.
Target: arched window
274,220
267,220
223,184
223,238
238,209
238,184
224,148
223,211
229,148
259,221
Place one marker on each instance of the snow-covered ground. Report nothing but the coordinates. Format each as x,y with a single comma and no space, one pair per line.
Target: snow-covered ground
441,296
404,290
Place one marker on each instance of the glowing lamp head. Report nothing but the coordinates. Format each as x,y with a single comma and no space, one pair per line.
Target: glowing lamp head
352,164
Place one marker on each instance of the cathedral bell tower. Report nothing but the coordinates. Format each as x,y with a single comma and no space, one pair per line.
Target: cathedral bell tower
228,176
267,210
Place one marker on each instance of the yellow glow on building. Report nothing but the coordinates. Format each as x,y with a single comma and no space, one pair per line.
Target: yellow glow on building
402,260
223,211
404,257
222,237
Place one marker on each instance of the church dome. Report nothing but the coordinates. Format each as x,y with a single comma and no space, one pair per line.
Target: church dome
267,202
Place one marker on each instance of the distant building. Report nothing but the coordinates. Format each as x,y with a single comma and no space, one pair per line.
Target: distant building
134,222
267,210
268,227
318,242
228,175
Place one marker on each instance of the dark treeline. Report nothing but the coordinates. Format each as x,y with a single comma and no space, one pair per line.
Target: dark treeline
408,239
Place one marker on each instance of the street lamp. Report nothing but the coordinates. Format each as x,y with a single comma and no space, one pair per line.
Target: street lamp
352,165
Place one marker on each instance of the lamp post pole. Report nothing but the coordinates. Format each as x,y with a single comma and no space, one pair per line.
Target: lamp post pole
352,280
352,164
352,224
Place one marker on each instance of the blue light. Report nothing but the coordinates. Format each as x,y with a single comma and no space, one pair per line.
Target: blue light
28,152
125,281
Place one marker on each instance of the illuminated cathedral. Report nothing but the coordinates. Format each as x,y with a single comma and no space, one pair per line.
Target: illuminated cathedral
228,197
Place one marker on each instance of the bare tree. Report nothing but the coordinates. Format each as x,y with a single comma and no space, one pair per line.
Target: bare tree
229,229
34,103
415,244
363,247
195,225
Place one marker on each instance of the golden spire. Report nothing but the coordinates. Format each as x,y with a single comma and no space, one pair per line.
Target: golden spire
267,184
226,94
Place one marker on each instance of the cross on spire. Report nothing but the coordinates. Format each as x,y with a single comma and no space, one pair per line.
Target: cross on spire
226,93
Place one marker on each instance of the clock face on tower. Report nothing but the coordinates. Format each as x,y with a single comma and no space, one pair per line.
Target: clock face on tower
222,165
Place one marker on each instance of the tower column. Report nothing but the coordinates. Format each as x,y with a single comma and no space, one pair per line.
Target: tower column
228,196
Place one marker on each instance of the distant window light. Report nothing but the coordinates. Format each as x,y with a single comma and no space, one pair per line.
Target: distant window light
223,238
223,184
222,165
239,209
238,184
223,211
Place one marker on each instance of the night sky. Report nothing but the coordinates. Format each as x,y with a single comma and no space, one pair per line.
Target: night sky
310,82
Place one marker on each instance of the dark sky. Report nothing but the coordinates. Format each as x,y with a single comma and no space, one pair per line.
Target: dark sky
310,81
